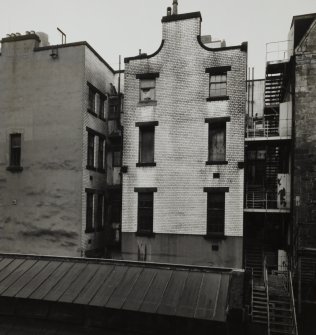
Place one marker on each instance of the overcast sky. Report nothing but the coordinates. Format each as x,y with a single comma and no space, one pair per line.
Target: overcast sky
115,27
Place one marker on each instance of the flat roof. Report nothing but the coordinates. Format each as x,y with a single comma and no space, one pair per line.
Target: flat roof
164,289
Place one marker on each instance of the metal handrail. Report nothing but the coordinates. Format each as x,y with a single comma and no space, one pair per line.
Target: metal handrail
266,284
265,200
251,294
293,302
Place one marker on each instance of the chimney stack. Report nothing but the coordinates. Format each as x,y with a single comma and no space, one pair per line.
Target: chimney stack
175,7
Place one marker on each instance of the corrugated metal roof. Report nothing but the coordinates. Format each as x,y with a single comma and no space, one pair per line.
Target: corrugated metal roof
165,289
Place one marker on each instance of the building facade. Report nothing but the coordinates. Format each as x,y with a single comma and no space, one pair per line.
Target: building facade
56,161
183,155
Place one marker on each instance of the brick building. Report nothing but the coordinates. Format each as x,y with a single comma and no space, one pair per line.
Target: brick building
59,134
184,148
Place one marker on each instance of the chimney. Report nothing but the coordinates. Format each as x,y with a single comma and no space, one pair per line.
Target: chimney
168,11
175,7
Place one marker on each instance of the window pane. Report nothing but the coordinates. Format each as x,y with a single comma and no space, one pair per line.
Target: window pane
117,158
218,85
147,139
90,160
15,150
100,212
89,212
147,94
217,142
91,101
101,153
101,108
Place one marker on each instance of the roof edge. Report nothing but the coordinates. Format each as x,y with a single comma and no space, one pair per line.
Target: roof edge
21,38
178,17
242,47
76,44
122,262
145,56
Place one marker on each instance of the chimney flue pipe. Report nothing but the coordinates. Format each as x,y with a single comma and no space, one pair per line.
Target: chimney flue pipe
175,7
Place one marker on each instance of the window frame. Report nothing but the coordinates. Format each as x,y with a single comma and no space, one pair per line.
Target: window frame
220,212
148,76
214,72
100,212
96,102
143,192
90,212
145,126
214,123
91,151
15,153
101,154
153,88
119,151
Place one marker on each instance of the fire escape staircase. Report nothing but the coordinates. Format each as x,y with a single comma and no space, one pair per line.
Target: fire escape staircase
272,302
275,83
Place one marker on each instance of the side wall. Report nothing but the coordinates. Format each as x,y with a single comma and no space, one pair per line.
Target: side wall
100,76
305,139
40,98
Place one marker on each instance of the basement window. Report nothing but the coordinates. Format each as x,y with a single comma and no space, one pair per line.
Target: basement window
215,225
215,213
145,212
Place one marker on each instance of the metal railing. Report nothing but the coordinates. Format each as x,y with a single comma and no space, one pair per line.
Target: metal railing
279,51
266,200
268,126
292,302
286,278
266,285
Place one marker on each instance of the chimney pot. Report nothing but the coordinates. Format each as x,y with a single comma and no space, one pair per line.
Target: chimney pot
168,11
175,7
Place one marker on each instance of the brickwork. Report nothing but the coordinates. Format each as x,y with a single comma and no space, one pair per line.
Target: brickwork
181,138
305,140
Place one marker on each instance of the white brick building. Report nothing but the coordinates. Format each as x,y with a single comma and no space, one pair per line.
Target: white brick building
184,149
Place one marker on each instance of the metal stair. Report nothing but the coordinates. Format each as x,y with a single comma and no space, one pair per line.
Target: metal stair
253,260
259,304
281,307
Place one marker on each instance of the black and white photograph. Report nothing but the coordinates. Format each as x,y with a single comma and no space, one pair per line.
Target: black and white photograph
158,167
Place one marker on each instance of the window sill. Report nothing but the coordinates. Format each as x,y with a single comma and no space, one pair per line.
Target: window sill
219,98
92,113
145,233
91,168
147,103
145,164
216,163
15,168
213,236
